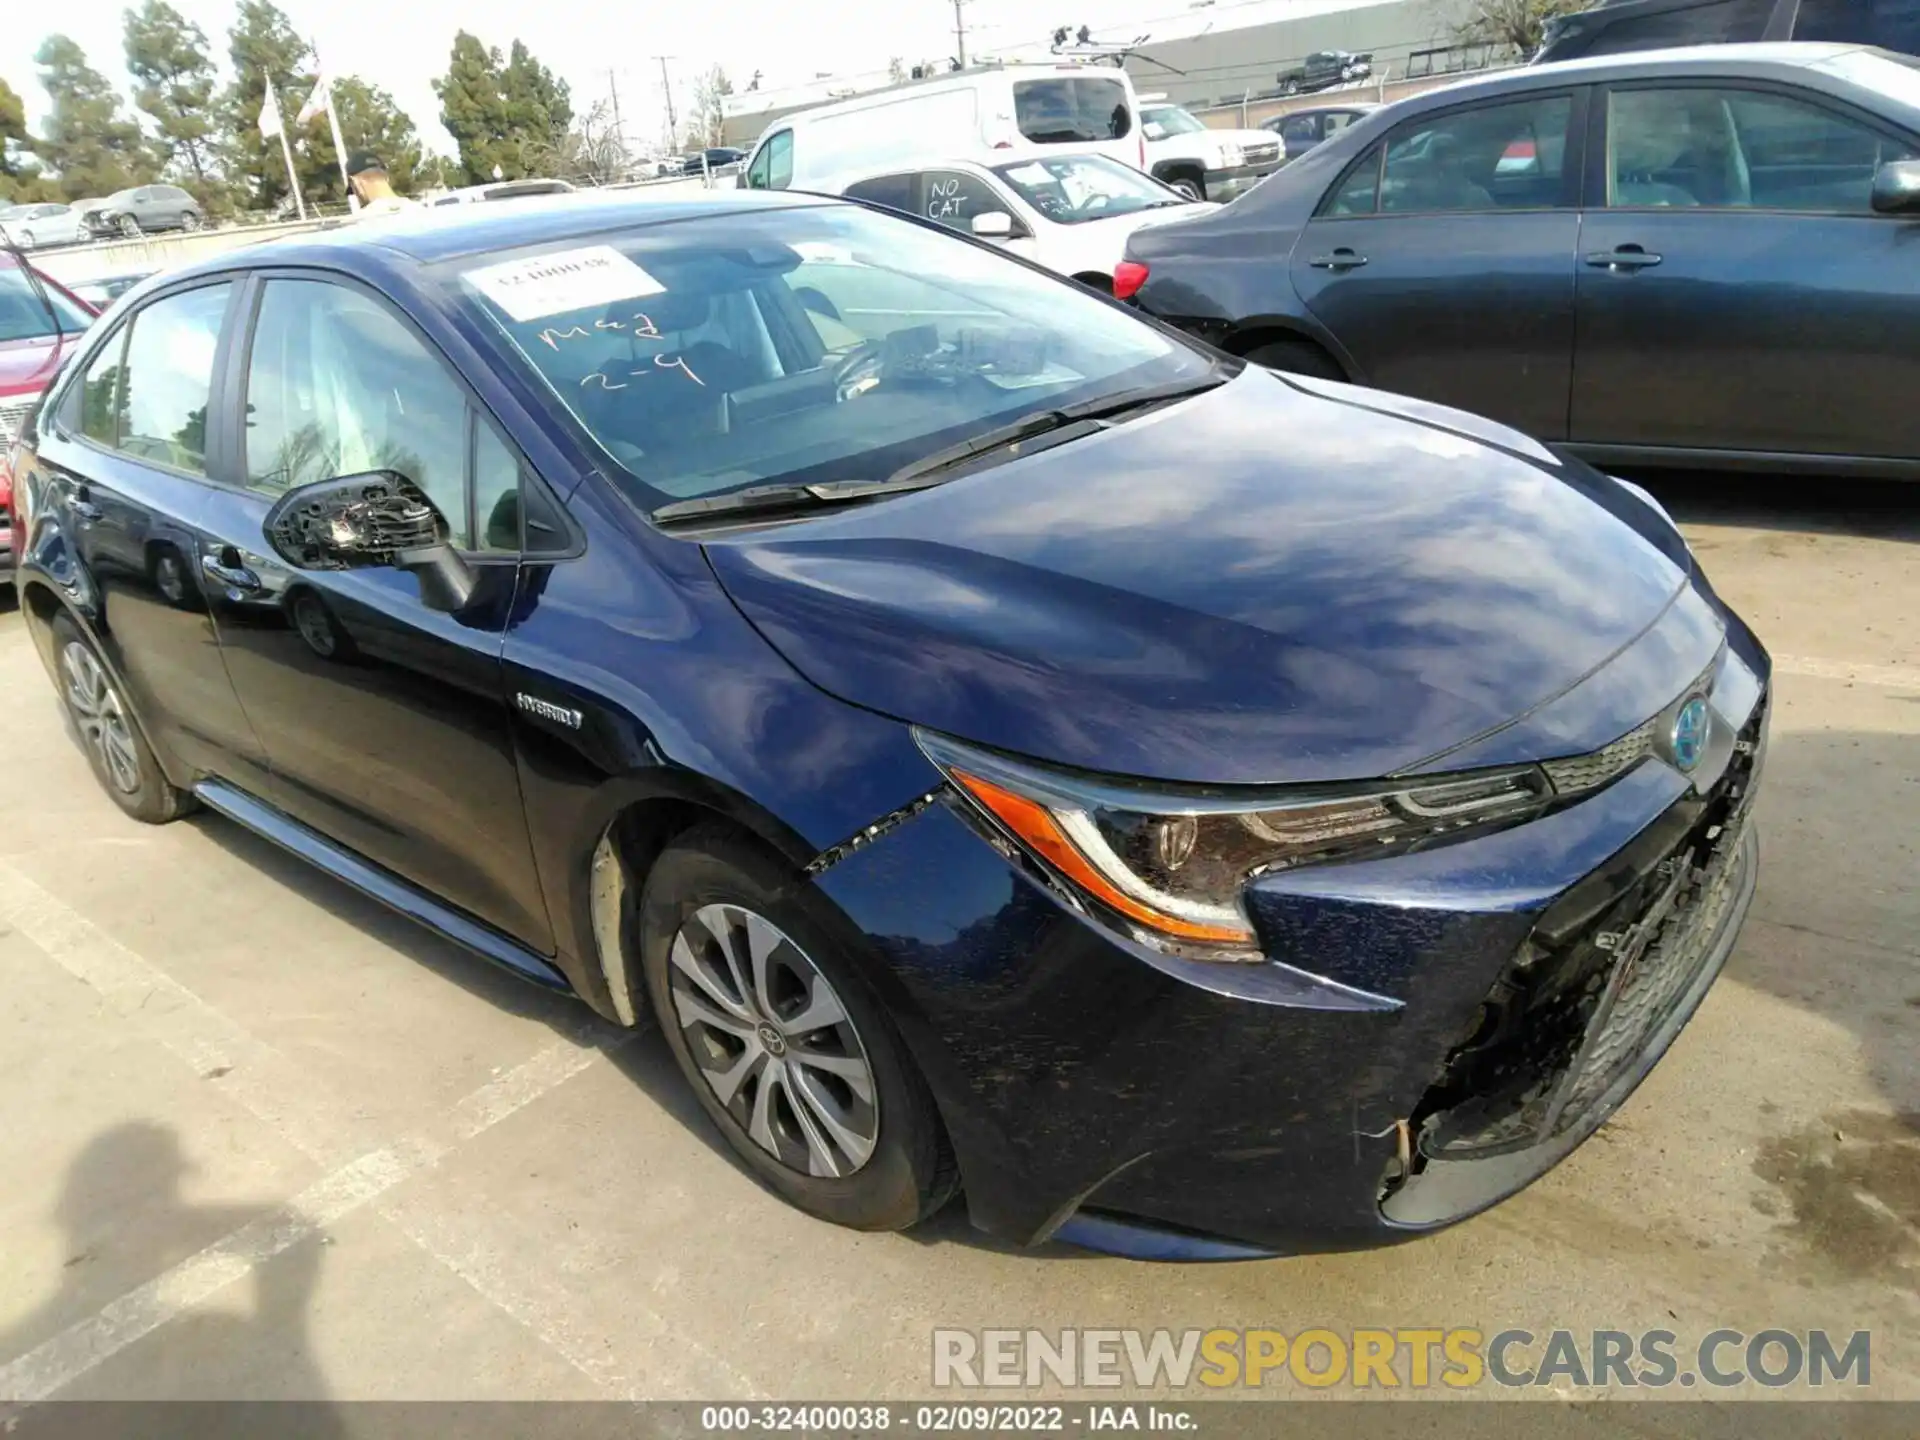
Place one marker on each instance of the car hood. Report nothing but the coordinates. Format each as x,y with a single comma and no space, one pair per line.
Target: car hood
27,366
1261,584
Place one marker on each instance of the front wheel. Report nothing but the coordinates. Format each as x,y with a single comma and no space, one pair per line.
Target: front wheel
128,226
1192,189
1291,87
26,240
191,220
121,759
787,1051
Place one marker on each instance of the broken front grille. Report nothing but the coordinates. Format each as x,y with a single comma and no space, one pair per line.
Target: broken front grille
1576,1007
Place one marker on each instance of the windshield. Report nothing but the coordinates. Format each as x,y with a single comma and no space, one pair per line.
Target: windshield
1072,189
803,345
23,317
1163,120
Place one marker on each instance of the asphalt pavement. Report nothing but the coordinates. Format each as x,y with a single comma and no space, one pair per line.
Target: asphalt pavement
264,1139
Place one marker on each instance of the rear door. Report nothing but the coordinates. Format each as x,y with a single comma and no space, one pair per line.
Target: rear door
384,721
1442,260
1737,290
129,454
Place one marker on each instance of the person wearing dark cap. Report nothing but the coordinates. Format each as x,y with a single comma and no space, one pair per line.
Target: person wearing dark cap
367,174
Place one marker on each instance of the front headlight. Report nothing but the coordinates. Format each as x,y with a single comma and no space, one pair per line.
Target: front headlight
1170,865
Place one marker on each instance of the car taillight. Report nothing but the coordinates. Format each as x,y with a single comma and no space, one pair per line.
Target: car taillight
1128,277
1141,142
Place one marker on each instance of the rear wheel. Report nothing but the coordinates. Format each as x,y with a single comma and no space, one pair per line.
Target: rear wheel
118,753
1297,357
786,1050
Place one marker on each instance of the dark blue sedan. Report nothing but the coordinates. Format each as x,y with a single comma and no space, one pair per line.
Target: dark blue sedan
1001,744
1697,257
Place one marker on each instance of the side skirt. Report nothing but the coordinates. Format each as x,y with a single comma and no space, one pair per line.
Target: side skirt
379,884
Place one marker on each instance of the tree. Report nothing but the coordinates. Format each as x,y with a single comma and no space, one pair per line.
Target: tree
539,107
473,107
173,83
1516,24
86,138
708,123
21,182
260,45
592,152
369,120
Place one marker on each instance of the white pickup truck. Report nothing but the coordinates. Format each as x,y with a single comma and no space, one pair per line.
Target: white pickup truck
1200,162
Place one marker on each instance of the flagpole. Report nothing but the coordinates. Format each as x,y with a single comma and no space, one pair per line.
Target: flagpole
293,180
272,109
340,154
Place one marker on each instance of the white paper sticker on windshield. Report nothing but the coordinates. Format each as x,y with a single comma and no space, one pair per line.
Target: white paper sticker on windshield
568,280
1030,174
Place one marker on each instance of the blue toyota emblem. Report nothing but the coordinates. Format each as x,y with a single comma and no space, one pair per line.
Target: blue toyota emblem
1689,737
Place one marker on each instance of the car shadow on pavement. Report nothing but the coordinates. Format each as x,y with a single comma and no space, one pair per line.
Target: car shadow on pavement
124,1220
1835,931
1870,509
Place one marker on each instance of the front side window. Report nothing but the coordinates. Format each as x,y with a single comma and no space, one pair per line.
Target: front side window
1072,189
166,381
1493,157
799,345
952,198
1339,120
1741,149
337,385
1071,110
780,161
1300,130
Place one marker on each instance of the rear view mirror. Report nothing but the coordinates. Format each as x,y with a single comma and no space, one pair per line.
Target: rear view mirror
1896,188
993,225
378,519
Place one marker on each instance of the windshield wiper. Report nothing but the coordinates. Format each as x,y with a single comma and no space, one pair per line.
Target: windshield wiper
1059,426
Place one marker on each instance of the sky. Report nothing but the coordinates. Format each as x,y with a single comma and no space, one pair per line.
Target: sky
598,45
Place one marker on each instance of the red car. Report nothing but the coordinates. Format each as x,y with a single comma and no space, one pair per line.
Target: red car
38,327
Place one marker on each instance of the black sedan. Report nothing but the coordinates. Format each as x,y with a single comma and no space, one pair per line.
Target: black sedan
1683,257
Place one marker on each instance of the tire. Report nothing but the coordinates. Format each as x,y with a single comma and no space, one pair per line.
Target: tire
121,759
26,240
128,226
714,893
1296,357
191,220
1190,188
1290,87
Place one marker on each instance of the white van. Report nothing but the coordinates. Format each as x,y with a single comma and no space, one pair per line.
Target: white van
1018,109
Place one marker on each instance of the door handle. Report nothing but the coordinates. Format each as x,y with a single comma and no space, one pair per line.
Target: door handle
225,567
1623,258
1340,259
83,506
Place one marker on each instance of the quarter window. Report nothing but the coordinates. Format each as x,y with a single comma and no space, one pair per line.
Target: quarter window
1739,149
893,191
1358,192
100,393
337,385
155,407
1071,110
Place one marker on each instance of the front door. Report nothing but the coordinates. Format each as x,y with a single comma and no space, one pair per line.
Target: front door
1736,289
128,454
1443,259
384,721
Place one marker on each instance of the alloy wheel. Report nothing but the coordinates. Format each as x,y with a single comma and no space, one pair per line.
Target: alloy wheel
129,226
190,220
773,1041
101,718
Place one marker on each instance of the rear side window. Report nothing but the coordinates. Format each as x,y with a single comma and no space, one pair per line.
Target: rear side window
158,410
952,198
893,191
1072,110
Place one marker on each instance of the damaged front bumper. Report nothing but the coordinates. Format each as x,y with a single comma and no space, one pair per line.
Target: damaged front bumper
1529,980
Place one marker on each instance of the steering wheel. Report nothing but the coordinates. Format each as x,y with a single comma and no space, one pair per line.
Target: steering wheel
860,369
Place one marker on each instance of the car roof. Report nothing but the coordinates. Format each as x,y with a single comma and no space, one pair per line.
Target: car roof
1744,59
431,234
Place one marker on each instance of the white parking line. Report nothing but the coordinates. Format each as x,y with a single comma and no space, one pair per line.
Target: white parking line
1893,677
268,1085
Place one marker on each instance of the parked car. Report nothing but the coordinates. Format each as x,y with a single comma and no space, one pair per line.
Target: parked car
502,190
144,208
1070,213
102,290
1024,109
1756,202
40,323
714,157
1001,743
1629,25
1301,130
39,226
1324,69
1200,162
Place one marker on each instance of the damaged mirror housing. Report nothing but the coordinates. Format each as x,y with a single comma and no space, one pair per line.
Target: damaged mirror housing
368,521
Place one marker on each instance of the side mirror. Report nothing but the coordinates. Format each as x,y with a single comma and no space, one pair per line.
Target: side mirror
361,522
993,225
1896,188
